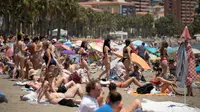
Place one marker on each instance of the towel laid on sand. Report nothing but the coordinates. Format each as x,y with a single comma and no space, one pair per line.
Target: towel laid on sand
160,94
166,106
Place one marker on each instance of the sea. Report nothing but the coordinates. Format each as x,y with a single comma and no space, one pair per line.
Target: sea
196,46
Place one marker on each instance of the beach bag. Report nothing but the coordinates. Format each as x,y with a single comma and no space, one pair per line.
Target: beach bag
145,89
75,77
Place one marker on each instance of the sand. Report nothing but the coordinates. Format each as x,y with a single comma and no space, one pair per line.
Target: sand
13,94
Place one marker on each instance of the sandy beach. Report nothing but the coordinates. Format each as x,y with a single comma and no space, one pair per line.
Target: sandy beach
14,104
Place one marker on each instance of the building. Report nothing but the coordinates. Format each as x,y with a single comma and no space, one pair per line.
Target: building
142,6
115,6
157,11
182,10
156,2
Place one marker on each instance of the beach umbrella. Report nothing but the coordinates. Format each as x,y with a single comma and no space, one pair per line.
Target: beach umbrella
75,58
78,42
65,47
138,43
172,49
120,47
151,49
137,59
182,67
153,57
195,51
99,41
68,44
185,63
186,33
58,44
97,47
198,69
69,52
93,56
62,40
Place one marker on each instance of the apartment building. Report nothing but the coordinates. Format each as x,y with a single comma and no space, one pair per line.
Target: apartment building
182,10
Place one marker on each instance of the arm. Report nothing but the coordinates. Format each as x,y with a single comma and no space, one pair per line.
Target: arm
164,81
53,85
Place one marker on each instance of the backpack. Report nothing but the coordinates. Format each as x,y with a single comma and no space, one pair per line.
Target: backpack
145,89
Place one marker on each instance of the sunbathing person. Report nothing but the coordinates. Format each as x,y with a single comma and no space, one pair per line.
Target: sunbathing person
124,84
163,84
54,97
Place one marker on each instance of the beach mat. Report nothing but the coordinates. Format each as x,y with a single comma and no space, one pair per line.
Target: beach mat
137,59
134,92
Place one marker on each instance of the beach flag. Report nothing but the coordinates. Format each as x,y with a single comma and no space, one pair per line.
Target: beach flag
186,33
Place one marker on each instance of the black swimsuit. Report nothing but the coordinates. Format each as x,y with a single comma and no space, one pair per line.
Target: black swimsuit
52,62
124,58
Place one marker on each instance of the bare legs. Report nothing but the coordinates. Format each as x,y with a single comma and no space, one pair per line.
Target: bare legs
107,71
16,61
128,83
76,89
85,65
164,65
22,65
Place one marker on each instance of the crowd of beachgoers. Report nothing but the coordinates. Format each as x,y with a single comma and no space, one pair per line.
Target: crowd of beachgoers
55,71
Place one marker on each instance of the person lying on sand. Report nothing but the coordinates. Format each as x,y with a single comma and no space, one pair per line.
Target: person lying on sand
123,84
53,97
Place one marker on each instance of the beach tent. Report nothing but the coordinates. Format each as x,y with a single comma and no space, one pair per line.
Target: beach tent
119,33
62,32
137,59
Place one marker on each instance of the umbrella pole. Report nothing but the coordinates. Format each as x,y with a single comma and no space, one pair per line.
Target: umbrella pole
185,94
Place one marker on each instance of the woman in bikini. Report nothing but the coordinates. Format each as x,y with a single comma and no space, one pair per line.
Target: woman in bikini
163,60
163,84
106,58
126,60
83,55
19,56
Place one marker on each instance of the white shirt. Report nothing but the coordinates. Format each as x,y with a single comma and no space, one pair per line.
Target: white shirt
88,104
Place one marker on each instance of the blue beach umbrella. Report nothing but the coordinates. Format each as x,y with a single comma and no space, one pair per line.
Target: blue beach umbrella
151,49
138,43
69,52
68,44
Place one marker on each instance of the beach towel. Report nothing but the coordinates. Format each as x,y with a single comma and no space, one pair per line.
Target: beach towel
134,92
166,106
